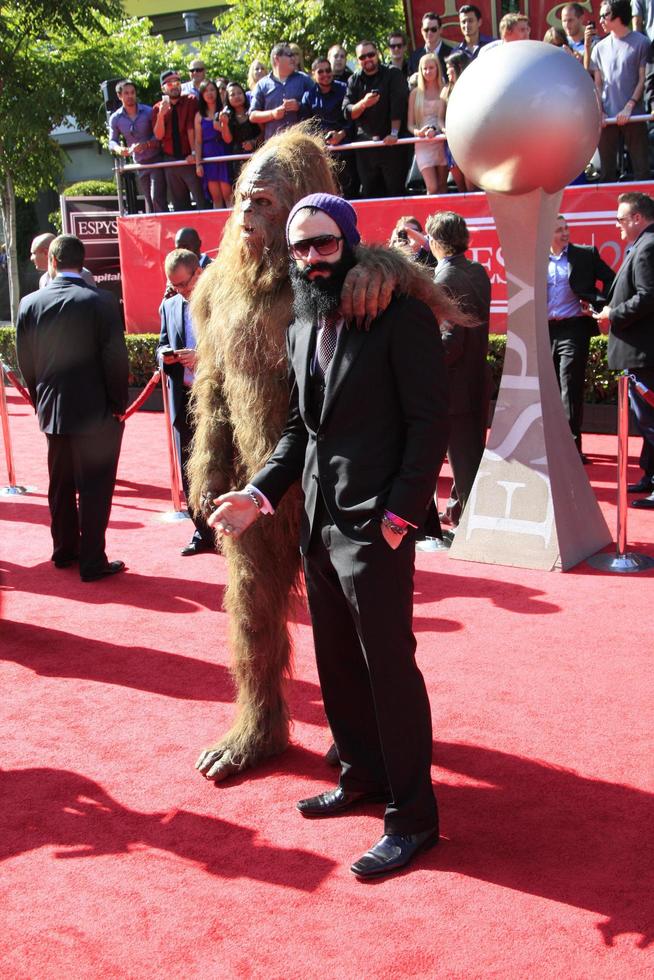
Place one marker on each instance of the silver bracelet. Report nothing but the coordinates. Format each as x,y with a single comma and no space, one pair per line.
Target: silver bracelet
255,498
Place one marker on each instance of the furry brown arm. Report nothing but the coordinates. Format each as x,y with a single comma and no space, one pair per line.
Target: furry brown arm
380,272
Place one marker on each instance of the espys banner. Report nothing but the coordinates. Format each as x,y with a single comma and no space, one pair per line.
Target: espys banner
146,239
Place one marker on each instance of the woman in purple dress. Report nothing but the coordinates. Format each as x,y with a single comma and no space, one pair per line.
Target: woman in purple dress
212,138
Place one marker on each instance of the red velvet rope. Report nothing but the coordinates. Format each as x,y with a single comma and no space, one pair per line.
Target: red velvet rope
13,380
643,390
143,397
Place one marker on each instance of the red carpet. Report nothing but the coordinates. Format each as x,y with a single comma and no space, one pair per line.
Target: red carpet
118,860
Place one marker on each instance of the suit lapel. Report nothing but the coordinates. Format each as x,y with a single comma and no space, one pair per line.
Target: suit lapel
181,333
349,344
622,272
303,351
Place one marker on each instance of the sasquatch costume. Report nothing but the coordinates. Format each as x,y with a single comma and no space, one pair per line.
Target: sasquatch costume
241,308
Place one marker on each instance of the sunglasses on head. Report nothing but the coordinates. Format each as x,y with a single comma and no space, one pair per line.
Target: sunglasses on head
323,245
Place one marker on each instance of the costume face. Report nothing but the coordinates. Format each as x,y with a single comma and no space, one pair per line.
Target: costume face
561,236
261,215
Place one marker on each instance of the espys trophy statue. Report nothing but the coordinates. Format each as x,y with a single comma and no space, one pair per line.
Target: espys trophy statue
524,120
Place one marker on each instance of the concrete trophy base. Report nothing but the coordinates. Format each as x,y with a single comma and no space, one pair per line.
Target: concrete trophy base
531,505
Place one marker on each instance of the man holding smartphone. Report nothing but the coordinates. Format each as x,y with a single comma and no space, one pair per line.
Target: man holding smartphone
276,99
176,352
377,101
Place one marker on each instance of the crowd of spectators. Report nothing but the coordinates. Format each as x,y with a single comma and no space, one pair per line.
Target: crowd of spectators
381,100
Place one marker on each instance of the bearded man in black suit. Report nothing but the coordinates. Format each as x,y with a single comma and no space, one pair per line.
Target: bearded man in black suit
366,432
72,354
629,317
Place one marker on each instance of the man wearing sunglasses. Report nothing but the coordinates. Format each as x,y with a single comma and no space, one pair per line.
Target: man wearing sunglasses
276,99
366,432
434,43
197,74
377,100
397,52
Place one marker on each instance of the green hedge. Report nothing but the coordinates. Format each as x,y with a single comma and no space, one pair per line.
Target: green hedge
601,384
140,347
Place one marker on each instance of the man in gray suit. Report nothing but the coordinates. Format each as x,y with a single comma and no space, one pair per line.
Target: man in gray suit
465,354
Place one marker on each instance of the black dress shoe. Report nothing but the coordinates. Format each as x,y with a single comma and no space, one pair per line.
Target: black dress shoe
392,852
331,757
111,568
646,503
644,485
336,801
196,546
64,562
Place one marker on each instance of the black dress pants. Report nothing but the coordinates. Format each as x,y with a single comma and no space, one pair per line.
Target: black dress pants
183,434
82,469
570,340
382,172
361,604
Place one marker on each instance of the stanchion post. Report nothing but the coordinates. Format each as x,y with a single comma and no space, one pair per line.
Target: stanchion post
622,560
623,460
12,489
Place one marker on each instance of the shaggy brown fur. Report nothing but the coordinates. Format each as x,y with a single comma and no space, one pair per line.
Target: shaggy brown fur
241,308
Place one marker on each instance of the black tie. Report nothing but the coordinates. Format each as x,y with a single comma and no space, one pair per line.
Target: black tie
177,142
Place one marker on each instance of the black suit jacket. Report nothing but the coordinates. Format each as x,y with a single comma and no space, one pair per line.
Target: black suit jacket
172,336
466,347
383,430
71,351
631,337
587,267
444,52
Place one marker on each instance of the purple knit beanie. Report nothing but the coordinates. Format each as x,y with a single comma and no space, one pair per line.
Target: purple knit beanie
340,210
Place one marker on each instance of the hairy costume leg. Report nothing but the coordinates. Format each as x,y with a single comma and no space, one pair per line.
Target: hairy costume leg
263,568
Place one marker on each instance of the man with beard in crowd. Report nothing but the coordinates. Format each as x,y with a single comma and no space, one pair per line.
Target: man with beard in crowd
368,471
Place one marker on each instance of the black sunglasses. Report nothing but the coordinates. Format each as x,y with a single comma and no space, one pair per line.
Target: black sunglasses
323,244
431,30
197,69
400,45
367,56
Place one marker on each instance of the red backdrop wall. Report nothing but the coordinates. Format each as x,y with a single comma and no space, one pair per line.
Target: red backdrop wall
145,240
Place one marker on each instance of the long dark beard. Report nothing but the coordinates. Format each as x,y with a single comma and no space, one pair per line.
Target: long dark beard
320,297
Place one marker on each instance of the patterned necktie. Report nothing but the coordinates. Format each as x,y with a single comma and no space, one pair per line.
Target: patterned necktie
327,345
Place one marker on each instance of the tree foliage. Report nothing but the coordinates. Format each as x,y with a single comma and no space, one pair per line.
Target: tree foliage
250,28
